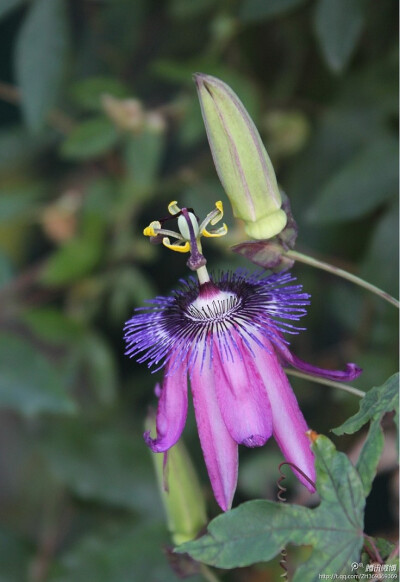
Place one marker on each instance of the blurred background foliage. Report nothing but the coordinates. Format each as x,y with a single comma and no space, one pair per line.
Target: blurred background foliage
100,129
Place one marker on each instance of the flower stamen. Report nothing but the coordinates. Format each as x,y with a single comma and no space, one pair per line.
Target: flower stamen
189,235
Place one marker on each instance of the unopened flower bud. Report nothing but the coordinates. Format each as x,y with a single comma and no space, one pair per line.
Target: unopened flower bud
180,490
241,160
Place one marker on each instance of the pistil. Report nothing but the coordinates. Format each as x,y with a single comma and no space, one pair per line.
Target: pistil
189,235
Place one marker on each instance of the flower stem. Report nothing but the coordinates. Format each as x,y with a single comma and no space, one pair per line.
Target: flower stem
208,574
332,383
202,274
341,273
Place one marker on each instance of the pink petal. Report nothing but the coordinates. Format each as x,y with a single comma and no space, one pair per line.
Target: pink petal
241,396
351,372
219,449
289,426
171,411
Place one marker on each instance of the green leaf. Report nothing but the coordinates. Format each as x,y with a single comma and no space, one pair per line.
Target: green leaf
363,184
374,405
122,24
7,5
29,384
119,552
17,146
254,10
99,199
338,25
90,139
257,530
142,154
384,547
75,259
88,92
383,250
41,50
96,354
6,270
19,202
103,464
128,288
52,326
181,9
368,460
16,555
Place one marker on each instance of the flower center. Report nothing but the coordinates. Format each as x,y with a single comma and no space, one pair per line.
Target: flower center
215,308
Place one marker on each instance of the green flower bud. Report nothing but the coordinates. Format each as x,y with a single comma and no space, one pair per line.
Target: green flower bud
242,163
180,491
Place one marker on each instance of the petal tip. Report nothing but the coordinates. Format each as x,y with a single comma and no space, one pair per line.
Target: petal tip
153,444
224,503
353,371
254,440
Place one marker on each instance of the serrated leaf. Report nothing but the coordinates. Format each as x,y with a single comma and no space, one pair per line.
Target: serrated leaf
90,139
338,25
88,92
254,10
29,384
364,183
41,50
257,530
367,462
375,404
7,5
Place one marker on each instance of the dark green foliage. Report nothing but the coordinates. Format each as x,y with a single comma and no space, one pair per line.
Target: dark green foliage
40,56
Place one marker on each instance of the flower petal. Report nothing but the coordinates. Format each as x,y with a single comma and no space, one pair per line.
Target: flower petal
289,426
171,411
351,372
219,449
241,395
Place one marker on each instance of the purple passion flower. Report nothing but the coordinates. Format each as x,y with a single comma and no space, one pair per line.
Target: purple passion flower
226,334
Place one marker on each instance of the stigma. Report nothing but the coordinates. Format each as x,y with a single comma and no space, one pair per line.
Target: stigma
190,231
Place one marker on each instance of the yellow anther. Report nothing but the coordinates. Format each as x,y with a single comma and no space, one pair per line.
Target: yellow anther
150,230
218,206
215,233
179,248
173,207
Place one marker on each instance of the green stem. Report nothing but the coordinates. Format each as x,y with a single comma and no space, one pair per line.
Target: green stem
341,273
332,383
208,574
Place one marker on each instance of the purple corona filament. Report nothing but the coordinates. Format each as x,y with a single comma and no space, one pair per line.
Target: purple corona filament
226,333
